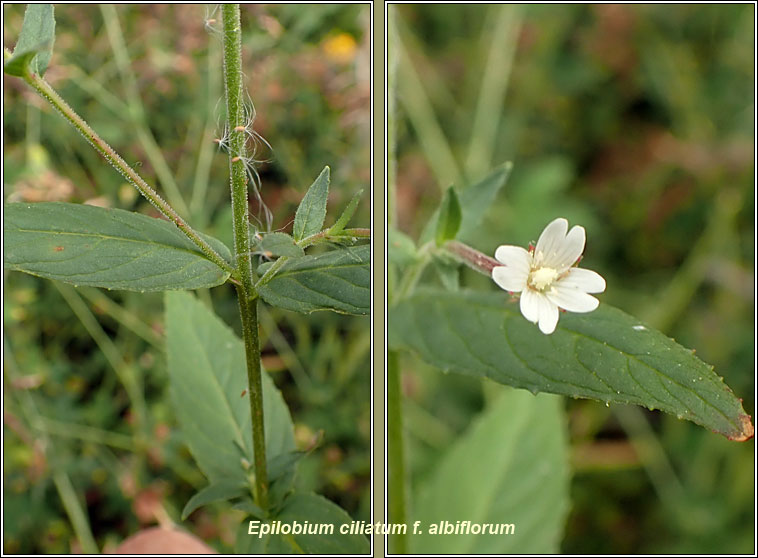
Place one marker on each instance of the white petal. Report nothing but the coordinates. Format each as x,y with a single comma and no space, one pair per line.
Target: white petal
548,315
530,305
551,239
572,300
569,250
584,280
513,256
512,279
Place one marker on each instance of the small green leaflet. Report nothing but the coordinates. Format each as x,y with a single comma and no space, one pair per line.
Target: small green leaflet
449,218
281,244
311,212
347,214
475,201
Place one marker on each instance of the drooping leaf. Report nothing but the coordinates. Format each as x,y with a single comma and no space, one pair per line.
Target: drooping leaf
35,42
110,248
339,280
301,508
605,355
515,458
220,490
448,218
475,201
347,214
311,212
281,244
208,385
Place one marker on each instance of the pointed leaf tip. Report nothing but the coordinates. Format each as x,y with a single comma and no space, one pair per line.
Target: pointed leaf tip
311,212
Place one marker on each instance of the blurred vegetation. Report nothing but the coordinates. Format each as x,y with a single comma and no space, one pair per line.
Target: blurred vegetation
636,122
148,79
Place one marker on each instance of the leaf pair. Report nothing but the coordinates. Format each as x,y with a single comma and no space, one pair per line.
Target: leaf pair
117,249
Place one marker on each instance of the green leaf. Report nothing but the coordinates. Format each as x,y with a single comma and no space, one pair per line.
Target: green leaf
110,248
339,280
220,490
297,509
475,201
208,384
311,212
283,464
17,64
344,219
449,218
35,42
605,355
401,250
449,274
281,244
515,458
249,507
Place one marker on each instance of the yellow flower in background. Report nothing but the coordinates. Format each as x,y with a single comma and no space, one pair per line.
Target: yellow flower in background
340,48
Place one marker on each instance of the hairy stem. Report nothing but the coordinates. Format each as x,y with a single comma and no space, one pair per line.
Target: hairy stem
52,96
246,290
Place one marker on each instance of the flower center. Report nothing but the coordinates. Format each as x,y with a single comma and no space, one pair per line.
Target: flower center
542,277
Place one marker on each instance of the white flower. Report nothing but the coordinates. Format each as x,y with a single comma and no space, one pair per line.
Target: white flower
547,278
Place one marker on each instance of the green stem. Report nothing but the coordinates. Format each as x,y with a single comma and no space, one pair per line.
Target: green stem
392,61
271,272
246,290
398,485
52,96
412,276
249,316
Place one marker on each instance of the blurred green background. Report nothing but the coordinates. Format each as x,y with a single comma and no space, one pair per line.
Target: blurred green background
148,79
636,122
